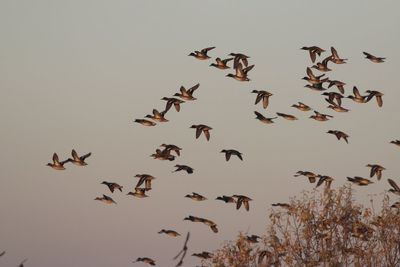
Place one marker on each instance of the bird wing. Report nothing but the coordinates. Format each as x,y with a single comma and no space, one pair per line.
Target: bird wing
310,73
207,134
55,158
227,156
140,182
214,228
394,185
191,90
356,92
246,205
75,155
265,101
379,100
367,54
205,50
183,91
239,203
334,52
239,70
177,106
312,55
258,98
247,69
86,156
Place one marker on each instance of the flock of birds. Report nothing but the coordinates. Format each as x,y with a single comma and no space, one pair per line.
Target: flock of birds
241,69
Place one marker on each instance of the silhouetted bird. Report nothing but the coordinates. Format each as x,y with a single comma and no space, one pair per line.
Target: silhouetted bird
172,101
262,95
202,54
313,51
186,168
226,199
374,58
146,179
377,95
396,142
339,135
202,128
203,255
376,170
230,152
242,200
112,186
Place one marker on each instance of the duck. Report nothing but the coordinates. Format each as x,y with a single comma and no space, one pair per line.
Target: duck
334,106
335,57
146,179
57,164
241,199
323,66
203,255
230,152
395,188
301,106
332,96
313,51
201,128
320,117
316,87
375,170
80,161
396,142
112,186
145,122
359,181
188,94
312,79
169,232
378,95
374,58
252,238
263,119
310,175
241,73
172,147
145,260
286,116
157,116
186,168
339,135
202,54
207,222
172,101
139,193
358,98
324,179
163,155
106,199
221,64
239,57
339,85
196,197
262,95
226,199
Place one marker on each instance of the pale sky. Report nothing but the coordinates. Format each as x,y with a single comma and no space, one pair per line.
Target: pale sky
75,74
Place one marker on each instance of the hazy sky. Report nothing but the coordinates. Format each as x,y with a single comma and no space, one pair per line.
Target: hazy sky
75,74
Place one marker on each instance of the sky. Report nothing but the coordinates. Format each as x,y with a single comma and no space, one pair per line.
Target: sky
76,74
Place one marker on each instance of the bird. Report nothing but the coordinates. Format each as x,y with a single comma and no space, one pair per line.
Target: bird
376,170
207,222
139,192
157,116
186,168
202,54
57,164
316,87
238,59
320,117
188,94
226,199
202,128
282,205
169,232
340,85
22,263
339,135
112,186
358,98
395,188
146,179
241,73
359,181
310,175
163,155
286,116
106,199
230,152
396,142
241,199
221,64
323,66
80,161
262,95
312,79
203,255
252,238
313,51
335,57
334,106
333,96
171,147
263,119
145,260
196,197
324,179
378,95
172,101
145,122
374,58
301,106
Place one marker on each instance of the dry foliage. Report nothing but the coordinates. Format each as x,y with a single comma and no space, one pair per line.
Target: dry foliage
320,229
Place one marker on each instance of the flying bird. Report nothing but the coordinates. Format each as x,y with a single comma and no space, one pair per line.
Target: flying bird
230,152
375,170
359,181
207,222
202,54
106,199
263,119
172,101
203,255
242,200
335,57
221,64
377,95
169,232
301,106
238,59
320,117
310,175
262,95
357,97
145,260
187,94
396,142
157,116
226,199
286,116
395,188
324,179
145,122
112,186
313,51
171,147
196,197
163,155
201,128
374,58
339,85
186,168
79,160
323,66
144,179
139,193
241,73
339,135
57,164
